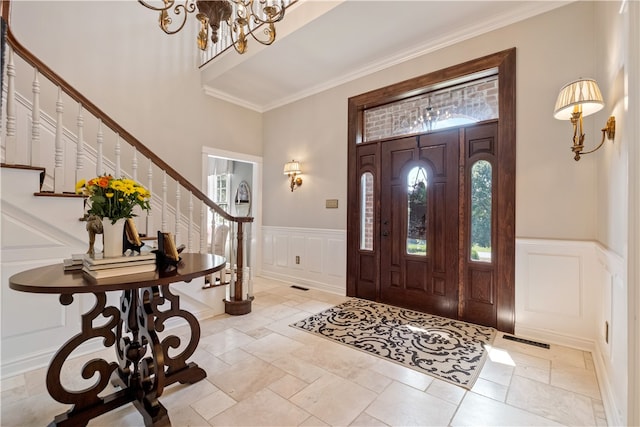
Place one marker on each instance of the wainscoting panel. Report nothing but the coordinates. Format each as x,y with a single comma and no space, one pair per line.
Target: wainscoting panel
313,256
544,273
556,291
281,246
336,257
267,242
321,254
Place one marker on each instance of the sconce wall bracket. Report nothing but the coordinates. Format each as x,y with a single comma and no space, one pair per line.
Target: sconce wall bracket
608,132
296,181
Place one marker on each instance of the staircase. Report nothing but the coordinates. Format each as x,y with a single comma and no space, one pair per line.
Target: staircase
42,158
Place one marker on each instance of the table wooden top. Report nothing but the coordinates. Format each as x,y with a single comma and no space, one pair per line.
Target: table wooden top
52,279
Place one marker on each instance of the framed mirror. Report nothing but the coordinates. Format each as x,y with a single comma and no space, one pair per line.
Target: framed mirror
243,199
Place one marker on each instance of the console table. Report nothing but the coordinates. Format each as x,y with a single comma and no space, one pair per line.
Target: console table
144,366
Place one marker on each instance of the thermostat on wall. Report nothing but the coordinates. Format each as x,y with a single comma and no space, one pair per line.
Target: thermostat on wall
331,203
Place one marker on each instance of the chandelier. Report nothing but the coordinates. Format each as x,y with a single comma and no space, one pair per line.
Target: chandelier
244,17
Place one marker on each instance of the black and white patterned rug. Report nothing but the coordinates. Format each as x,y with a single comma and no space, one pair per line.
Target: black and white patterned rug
448,349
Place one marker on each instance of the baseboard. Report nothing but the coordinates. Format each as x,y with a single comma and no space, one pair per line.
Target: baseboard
614,417
552,337
28,363
305,282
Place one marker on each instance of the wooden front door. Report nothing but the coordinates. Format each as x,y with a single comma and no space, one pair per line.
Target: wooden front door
419,222
448,263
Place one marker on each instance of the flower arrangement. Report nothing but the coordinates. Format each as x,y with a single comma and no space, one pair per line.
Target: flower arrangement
113,198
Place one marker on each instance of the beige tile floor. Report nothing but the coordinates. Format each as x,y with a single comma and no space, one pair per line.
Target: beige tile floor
261,372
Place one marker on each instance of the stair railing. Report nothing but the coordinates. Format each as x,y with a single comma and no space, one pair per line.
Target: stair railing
240,289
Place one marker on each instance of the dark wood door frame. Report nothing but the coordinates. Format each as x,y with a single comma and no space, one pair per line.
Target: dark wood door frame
505,64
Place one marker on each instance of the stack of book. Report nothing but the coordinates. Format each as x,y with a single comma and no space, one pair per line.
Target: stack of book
100,267
74,263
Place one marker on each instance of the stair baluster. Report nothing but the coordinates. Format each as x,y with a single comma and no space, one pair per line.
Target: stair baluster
99,157
11,145
151,229
203,227
58,170
35,121
164,201
134,165
80,145
178,234
118,169
190,247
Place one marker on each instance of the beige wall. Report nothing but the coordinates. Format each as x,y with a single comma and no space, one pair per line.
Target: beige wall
556,197
145,80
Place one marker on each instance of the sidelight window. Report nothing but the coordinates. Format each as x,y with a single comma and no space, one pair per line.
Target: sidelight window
366,211
417,212
481,199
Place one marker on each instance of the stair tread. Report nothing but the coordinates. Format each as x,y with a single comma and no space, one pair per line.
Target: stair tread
52,194
26,167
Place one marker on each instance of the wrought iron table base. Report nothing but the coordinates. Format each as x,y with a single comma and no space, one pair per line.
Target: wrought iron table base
133,330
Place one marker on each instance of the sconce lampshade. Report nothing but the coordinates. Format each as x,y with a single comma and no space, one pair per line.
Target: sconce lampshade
583,93
292,168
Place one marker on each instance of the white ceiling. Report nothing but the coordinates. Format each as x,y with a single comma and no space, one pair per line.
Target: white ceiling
321,44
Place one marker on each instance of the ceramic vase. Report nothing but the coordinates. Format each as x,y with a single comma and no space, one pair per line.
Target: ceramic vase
112,236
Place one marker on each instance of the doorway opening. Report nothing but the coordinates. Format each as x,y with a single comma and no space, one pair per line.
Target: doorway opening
234,181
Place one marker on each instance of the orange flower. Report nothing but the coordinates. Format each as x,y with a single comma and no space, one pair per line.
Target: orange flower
104,181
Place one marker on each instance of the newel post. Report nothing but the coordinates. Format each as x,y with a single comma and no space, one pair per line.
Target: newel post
236,305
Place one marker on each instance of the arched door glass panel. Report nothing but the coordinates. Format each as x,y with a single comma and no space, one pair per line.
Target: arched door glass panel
417,212
366,211
481,195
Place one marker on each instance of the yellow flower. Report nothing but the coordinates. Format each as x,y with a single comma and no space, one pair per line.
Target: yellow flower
114,198
80,185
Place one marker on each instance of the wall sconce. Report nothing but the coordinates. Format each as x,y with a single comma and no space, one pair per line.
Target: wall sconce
579,99
292,170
